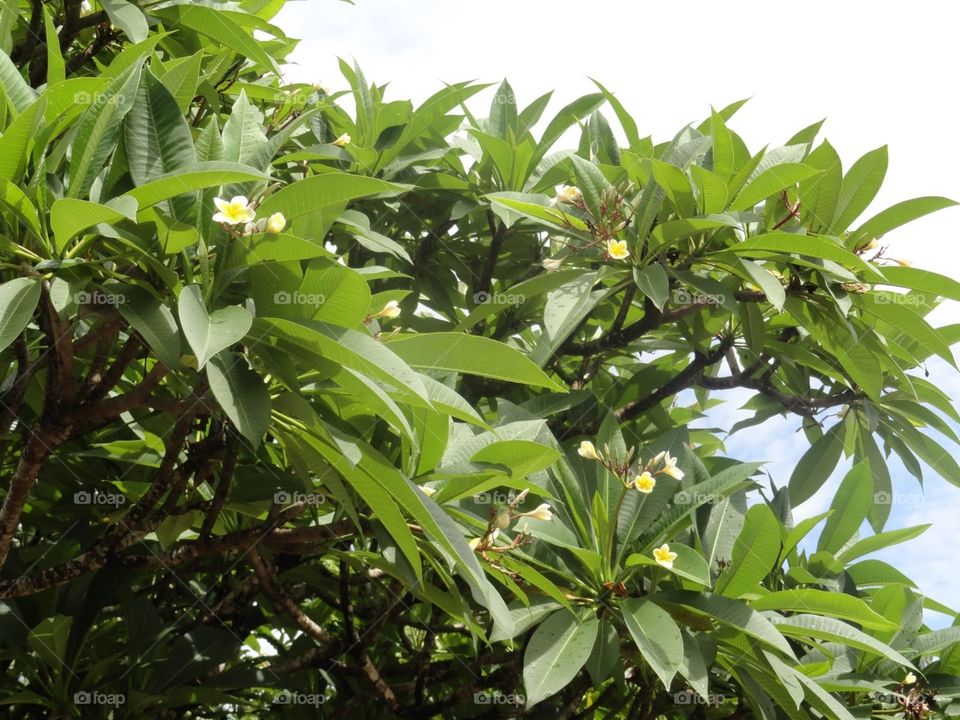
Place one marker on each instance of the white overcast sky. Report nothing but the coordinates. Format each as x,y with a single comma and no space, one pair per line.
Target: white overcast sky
879,72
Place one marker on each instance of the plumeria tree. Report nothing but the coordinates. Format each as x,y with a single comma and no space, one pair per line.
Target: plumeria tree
398,412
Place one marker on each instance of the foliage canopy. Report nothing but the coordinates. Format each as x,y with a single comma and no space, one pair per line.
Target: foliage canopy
390,410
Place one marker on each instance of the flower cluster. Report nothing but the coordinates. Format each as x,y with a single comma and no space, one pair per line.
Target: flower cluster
500,519
240,211
643,478
640,477
611,220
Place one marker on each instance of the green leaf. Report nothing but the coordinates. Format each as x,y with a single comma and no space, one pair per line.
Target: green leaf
97,130
56,68
154,321
17,140
771,181
922,280
810,245
181,78
557,650
424,117
900,214
209,333
656,635
14,198
860,186
879,541
831,630
754,553
69,216
128,17
591,181
158,139
221,28
16,89
824,602
816,465
568,115
732,613
243,132
312,204
653,282
202,175
18,299
850,506
768,282
49,637
350,348
470,354
241,393
503,112
525,617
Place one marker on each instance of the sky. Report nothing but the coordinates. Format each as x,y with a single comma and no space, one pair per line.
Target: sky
879,72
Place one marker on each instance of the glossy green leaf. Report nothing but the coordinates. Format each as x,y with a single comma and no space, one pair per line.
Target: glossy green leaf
208,333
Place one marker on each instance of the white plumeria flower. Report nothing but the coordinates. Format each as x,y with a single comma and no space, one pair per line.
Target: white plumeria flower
568,194
275,223
342,140
670,467
664,556
588,451
617,249
552,264
390,310
644,482
236,211
541,512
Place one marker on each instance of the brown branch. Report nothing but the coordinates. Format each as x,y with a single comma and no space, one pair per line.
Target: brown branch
682,380
63,383
223,487
99,556
42,442
128,353
12,399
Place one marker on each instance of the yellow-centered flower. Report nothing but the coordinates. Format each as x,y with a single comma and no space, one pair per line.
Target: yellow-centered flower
910,679
644,482
342,140
670,467
390,310
541,512
617,249
275,223
569,194
236,211
588,451
664,556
